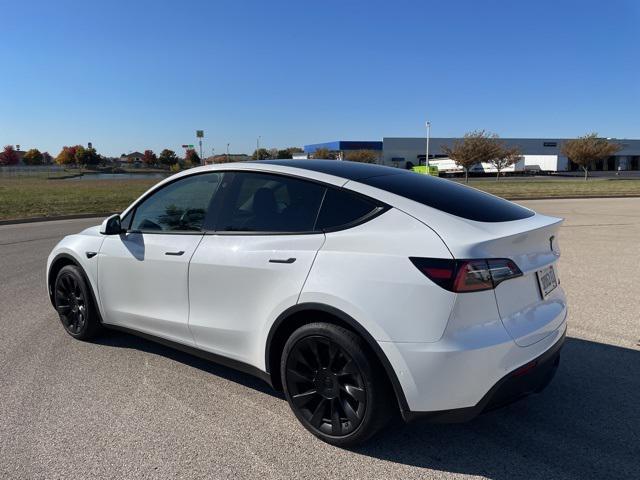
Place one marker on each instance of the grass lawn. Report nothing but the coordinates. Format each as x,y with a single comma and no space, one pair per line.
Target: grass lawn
36,196
24,197
535,188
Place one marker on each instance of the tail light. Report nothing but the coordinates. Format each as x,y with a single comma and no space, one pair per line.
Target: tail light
467,275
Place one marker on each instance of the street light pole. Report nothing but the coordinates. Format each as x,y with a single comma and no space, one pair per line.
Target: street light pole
426,159
228,152
258,147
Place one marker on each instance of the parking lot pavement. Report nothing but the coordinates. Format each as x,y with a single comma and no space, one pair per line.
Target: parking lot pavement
122,407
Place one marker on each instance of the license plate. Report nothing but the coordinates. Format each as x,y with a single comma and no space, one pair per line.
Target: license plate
547,280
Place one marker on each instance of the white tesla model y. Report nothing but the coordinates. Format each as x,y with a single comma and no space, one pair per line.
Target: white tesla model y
354,288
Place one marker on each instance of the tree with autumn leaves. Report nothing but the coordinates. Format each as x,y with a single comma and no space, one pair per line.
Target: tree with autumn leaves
149,158
9,156
77,155
33,157
191,158
480,146
584,151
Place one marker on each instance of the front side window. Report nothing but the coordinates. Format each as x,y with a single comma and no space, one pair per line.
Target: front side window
181,206
260,202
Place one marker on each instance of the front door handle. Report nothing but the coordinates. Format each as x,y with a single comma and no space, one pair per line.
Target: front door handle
282,260
175,254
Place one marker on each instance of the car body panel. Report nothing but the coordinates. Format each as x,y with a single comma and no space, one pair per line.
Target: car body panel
76,247
365,272
525,314
142,288
457,372
237,291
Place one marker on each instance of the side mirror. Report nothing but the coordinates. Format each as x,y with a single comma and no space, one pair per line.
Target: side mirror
111,226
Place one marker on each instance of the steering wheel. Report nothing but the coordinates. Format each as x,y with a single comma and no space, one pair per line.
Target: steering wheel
185,221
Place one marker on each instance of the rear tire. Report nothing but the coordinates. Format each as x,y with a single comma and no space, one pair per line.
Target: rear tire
74,303
333,386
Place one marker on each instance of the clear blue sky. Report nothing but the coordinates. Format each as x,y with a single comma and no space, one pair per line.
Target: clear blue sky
146,74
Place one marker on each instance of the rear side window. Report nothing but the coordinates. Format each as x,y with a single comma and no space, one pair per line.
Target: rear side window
261,202
450,197
341,207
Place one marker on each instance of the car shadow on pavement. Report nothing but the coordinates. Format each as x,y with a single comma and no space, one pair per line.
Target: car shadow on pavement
113,338
586,424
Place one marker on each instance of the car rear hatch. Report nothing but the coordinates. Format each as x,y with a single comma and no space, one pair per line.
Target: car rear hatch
477,226
531,306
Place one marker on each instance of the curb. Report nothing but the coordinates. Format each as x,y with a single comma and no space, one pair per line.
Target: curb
571,197
51,219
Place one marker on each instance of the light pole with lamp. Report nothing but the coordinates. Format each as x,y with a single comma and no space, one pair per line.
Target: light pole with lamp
228,152
426,158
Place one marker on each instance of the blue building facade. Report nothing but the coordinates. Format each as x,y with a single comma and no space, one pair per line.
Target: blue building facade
344,146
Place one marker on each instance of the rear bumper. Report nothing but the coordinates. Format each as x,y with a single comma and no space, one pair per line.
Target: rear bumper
530,378
464,370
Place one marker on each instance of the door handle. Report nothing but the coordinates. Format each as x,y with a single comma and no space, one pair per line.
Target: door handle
282,260
175,254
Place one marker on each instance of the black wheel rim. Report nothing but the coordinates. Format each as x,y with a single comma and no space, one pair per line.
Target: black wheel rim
70,303
325,386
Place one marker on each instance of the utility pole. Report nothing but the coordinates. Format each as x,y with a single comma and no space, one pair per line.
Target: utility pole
426,159
258,147
199,136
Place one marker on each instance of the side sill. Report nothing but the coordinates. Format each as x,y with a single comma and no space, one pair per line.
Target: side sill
196,352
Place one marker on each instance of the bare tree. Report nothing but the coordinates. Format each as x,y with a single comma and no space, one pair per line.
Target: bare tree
475,147
324,153
504,157
364,156
583,151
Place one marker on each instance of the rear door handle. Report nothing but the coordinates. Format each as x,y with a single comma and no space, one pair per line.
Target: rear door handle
282,260
175,254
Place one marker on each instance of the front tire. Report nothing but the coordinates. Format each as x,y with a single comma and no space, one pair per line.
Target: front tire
332,385
74,303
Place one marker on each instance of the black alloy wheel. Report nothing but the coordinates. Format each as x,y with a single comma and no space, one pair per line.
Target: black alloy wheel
330,384
73,303
326,385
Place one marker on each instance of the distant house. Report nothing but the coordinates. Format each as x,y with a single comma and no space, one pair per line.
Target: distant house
132,158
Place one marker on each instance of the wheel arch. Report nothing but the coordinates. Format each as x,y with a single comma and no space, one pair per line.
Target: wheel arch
304,313
60,261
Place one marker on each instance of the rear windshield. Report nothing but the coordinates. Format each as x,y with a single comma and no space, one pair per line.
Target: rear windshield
450,197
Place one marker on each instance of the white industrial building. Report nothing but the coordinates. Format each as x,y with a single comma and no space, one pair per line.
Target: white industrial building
538,154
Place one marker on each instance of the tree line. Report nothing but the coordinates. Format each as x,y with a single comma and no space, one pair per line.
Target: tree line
274,153
365,156
10,156
88,156
169,158
479,146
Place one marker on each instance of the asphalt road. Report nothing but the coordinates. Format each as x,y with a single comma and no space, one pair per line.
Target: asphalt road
123,407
